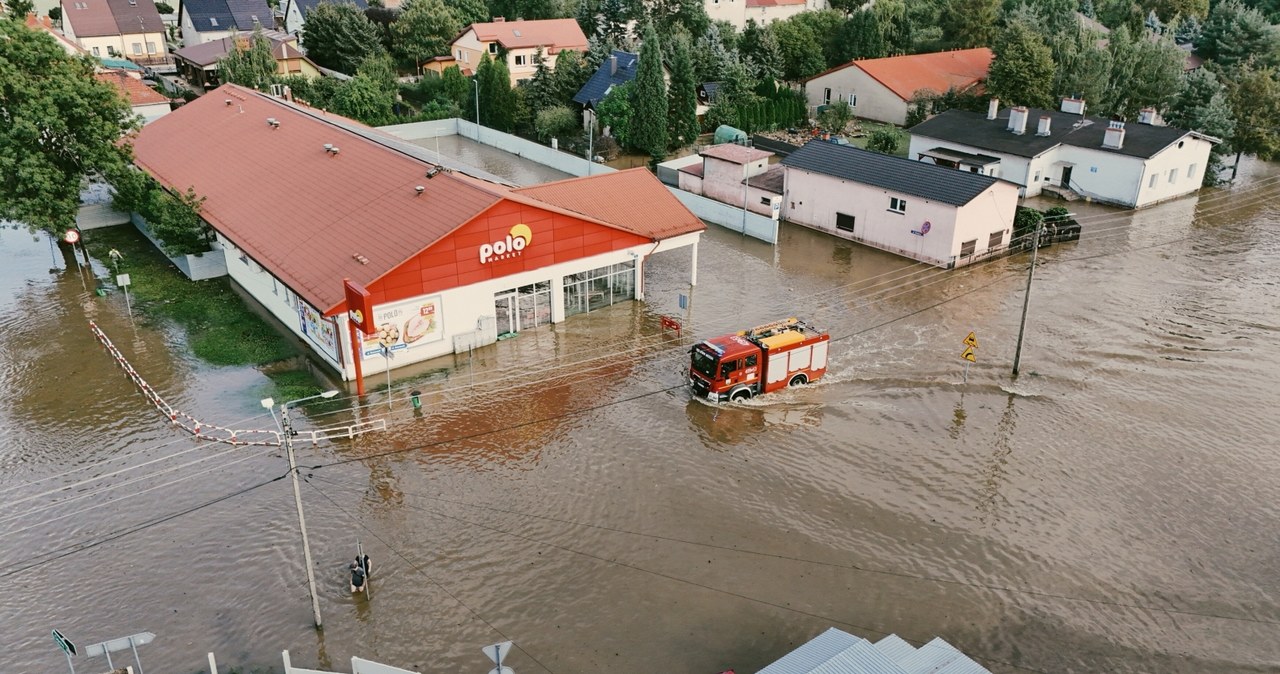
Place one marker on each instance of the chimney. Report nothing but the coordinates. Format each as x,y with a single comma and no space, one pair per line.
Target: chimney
613,64
499,19
1018,119
1147,116
1043,128
993,108
1073,106
1113,137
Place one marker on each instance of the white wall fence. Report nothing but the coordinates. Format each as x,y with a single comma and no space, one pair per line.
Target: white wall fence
196,267
96,216
756,226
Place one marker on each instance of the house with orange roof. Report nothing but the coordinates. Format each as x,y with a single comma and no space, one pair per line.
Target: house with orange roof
299,200
144,100
516,42
738,12
130,29
880,89
44,23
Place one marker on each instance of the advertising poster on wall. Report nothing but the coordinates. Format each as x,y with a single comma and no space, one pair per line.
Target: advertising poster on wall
404,325
318,329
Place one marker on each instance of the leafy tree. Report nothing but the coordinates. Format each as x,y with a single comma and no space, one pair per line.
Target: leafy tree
570,74
861,37
826,25
1144,72
587,17
759,48
670,15
1116,13
252,66
540,91
384,18
649,99
470,11
615,113
555,122
1082,65
339,36
497,100
614,17
55,14
885,140
164,7
57,125
370,96
175,220
317,92
835,117
1202,106
455,87
19,9
799,59
969,23
1269,8
682,96
1022,72
712,55
1169,10
1234,33
895,26
1187,30
424,29
1254,94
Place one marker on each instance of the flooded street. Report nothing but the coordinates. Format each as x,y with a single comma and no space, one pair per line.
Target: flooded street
1112,509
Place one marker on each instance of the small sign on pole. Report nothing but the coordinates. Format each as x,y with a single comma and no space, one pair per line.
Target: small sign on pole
122,280
969,356
68,648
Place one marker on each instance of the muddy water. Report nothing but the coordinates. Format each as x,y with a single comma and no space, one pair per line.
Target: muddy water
1112,509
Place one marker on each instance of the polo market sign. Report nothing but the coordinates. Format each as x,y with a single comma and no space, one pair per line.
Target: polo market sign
516,240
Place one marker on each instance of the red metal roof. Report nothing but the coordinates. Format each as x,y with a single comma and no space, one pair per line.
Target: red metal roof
633,200
732,152
937,71
551,34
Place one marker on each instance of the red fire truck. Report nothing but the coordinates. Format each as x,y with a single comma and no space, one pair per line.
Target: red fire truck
762,359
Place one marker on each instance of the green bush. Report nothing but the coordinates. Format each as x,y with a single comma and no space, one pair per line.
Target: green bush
555,122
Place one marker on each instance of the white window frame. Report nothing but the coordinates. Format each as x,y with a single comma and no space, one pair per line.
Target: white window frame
493,47
1173,176
826,96
1191,171
897,205
1154,178
137,49
853,100
519,59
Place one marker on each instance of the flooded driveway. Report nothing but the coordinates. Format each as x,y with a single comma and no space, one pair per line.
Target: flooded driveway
1113,509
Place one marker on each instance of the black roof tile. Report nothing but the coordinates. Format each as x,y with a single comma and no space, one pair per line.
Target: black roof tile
602,80
927,181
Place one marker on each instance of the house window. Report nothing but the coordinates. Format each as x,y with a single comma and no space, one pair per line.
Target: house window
96,52
493,47
844,222
1154,177
137,48
1191,171
766,201
457,55
897,205
520,59
1173,176
1037,178
826,96
996,239
151,47
466,57
853,100
967,248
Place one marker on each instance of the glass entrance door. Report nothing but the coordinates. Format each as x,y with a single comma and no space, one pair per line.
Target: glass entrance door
504,305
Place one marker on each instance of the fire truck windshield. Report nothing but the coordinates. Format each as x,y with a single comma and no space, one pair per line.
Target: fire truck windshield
704,363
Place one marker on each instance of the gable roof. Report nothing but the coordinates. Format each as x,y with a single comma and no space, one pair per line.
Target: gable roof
551,34
45,24
937,71
897,174
90,18
305,6
303,213
131,88
136,16
209,53
975,130
734,153
633,200
606,77
215,15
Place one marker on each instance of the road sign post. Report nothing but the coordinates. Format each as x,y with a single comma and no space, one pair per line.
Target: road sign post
496,652
131,642
970,343
68,648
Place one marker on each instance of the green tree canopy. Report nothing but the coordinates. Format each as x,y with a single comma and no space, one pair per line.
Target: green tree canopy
968,23
57,125
252,66
799,58
885,140
614,113
682,96
759,48
649,99
498,103
861,37
1202,106
1144,72
339,36
425,29
456,88
370,96
1254,94
570,74
555,122
1022,73
1235,33
835,117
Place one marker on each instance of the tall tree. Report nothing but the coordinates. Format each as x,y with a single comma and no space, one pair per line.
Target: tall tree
614,17
1234,33
540,91
570,74
1254,93
615,113
456,88
424,30
649,99
340,36
19,9
1168,10
682,96
470,11
826,25
251,66
1023,70
1144,72
670,15
861,37
57,125
498,103
1202,106
711,56
760,50
969,23
1082,66
370,96
895,25
799,59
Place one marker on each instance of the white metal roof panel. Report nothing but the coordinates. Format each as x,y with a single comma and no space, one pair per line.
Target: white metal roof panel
861,658
934,658
811,655
895,647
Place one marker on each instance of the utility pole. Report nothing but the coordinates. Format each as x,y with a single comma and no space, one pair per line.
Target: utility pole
476,81
746,190
286,430
1026,298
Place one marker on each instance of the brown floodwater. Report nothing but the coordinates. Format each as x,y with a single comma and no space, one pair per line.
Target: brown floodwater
1112,509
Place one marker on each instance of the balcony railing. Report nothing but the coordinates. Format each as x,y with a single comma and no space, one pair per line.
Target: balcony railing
151,60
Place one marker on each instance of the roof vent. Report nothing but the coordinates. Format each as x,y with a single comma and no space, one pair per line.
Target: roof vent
360,258
328,147
227,101
420,189
273,122
434,170
517,32
333,151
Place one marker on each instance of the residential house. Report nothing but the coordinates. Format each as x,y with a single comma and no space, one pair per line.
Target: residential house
838,651
44,23
198,64
517,42
735,174
301,200
738,12
615,71
438,64
208,20
929,213
1068,152
144,100
129,29
295,12
880,89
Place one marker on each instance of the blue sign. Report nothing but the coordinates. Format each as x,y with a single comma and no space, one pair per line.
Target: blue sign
924,229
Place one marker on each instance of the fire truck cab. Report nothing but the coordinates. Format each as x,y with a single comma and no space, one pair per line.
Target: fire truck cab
763,359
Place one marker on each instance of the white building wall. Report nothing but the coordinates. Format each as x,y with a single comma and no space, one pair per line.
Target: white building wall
293,20
722,180
873,100
736,12
988,213
1015,169
1179,160
151,112
814,199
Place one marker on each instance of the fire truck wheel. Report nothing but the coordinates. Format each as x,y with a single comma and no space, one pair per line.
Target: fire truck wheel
740,394
798,380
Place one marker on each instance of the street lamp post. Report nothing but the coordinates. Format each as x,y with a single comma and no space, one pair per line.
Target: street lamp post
476,81
286,432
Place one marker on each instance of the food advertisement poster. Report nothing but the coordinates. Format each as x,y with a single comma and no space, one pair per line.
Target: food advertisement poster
318,329
404,325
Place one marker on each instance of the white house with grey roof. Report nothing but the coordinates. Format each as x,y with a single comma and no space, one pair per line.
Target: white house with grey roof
208,20
928,213
1069,153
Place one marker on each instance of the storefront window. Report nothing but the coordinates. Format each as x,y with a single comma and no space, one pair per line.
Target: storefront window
523,308
599,288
